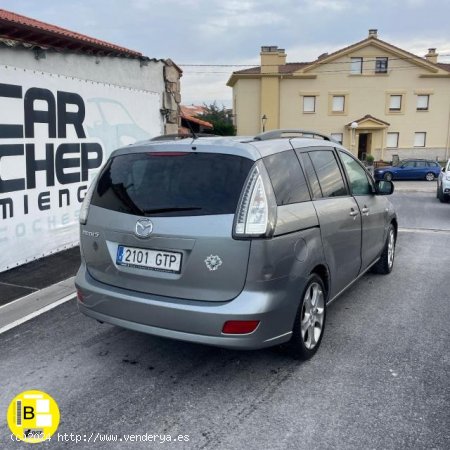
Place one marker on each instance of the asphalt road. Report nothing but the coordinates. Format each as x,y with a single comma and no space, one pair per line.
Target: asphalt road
379,381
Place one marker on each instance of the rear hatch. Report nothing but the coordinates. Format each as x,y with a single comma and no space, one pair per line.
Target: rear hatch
161,223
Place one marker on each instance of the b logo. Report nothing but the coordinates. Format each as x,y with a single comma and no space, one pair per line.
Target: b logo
33,416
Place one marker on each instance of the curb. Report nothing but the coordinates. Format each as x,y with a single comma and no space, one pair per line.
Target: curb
23,309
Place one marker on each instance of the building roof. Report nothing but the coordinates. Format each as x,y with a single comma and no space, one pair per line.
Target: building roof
287,68
200,122
366,118
24,29
291,68
373,39
188,112
444,66
192,110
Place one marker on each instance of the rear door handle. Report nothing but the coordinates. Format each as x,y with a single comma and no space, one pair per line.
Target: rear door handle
365,210
353,213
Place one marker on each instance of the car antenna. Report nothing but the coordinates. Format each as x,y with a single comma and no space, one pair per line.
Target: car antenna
194,136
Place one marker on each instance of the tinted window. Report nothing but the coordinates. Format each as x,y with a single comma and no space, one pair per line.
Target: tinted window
409,164
359,183
433,164
186,184
311,174
287,178
327,170
421,164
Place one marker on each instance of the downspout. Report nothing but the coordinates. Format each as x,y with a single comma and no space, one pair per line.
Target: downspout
280,78
383,140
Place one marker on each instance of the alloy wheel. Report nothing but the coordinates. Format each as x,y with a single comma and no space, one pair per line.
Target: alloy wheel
391,248
312,315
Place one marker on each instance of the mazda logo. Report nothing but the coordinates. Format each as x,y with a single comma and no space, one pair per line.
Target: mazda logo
144,228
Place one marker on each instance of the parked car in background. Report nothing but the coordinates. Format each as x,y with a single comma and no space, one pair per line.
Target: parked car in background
238,242
443,184
409,169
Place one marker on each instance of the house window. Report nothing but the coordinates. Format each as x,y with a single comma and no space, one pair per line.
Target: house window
338,103
337,137
392,140
309,103
422,102
356,65
395,103
419,139
381,65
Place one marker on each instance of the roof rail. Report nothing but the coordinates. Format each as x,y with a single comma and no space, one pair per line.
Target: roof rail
275,134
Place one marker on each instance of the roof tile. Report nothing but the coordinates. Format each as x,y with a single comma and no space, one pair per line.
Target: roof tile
18,27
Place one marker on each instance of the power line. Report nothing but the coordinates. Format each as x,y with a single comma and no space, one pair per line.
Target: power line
409,58
369,72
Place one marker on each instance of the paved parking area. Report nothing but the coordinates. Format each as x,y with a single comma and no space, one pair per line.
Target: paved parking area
415,186
31,278
379,380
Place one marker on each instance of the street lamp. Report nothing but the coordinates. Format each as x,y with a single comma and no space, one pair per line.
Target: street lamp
263,121
353,126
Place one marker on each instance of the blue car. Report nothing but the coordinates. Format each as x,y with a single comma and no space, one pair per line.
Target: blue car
409,169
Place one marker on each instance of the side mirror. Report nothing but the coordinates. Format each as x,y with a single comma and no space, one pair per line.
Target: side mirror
384,187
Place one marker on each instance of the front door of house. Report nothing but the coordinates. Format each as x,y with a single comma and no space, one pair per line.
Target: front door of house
364,145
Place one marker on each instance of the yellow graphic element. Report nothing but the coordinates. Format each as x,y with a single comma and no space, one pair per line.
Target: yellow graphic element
33,416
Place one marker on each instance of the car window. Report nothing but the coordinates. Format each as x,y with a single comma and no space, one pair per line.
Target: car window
287,178
172,184
311,174
408,164
432,164
359,182
421,164
328,172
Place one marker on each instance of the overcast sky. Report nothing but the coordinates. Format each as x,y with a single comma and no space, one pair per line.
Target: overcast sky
231,32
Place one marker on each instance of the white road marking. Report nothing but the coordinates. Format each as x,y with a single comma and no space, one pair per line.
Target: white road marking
37,313
423,230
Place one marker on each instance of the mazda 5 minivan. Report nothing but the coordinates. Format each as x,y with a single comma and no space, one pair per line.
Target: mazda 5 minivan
237,242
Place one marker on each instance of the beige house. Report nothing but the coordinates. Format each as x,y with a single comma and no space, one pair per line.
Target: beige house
373,97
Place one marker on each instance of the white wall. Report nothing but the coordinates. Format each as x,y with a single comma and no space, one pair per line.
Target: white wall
122,100
106,69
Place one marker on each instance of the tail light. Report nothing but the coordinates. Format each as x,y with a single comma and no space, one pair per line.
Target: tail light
80,296
240,326
255,216
84,210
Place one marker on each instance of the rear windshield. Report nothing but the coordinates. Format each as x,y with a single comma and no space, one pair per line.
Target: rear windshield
172,184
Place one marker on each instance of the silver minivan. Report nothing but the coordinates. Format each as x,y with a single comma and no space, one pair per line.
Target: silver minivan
238,242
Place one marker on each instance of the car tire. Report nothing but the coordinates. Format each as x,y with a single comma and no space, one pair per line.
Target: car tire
387,176
309,322
386,261
444,198
430,176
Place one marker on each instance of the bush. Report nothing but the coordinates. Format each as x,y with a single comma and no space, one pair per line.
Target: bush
221,119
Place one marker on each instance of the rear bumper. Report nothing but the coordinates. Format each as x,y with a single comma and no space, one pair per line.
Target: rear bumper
189,320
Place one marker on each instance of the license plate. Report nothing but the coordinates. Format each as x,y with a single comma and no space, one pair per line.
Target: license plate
142,258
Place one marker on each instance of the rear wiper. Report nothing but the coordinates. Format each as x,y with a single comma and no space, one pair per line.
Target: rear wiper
164,210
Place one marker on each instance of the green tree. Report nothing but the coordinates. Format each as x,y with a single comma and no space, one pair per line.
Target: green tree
221,119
